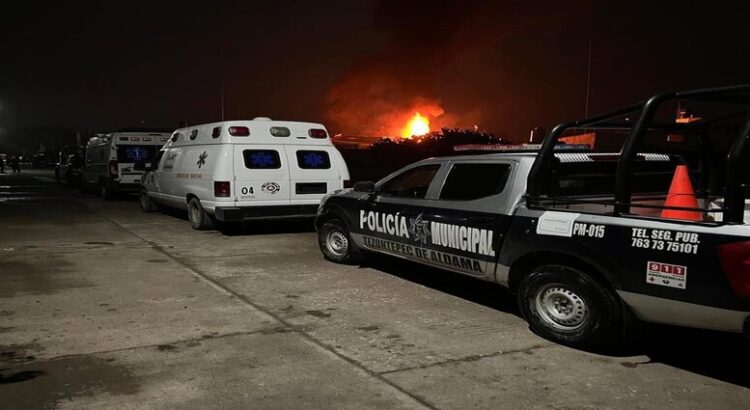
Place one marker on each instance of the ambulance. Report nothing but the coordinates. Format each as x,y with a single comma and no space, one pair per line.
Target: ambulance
110,161
235,171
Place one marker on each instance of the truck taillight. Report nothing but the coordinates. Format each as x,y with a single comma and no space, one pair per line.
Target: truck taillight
239,131
222,189
317,133
112,168
735,261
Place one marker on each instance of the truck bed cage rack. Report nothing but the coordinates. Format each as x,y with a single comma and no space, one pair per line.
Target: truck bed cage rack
538,183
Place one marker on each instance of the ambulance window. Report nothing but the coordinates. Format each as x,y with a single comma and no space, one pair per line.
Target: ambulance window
473,181
216,133
193,134
313,160
261,159
412,183
175,137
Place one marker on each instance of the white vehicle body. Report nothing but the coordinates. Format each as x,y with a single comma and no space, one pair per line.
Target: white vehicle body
240,177
109,162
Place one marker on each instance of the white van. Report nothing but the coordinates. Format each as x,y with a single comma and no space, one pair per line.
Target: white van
235,171
109,161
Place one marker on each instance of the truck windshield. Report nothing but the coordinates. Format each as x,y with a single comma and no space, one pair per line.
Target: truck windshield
136,153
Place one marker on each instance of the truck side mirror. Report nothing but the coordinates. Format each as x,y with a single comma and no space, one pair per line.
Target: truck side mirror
367,187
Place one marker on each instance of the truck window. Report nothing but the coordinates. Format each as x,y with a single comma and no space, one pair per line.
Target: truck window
261,159
412,183
313,160
136,153
473,181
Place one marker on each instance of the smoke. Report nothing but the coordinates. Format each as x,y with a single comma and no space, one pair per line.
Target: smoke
441,59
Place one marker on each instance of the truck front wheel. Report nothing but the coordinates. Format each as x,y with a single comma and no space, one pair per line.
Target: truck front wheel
567,306
336,243
147,204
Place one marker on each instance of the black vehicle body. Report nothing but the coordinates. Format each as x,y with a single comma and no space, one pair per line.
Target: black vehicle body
68,170
681,272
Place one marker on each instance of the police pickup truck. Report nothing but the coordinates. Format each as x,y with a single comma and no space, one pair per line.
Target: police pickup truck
586,240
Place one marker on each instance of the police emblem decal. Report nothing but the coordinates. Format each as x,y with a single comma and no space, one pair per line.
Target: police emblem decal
418,230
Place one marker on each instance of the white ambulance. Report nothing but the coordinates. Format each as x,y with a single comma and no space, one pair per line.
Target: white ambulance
236,171
110,159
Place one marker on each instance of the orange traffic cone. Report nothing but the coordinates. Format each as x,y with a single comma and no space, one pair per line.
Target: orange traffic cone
681,194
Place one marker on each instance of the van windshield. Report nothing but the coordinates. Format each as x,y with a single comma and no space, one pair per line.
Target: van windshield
136,153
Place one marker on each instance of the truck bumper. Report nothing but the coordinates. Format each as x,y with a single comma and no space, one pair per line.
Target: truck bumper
115,186
250,213
673,312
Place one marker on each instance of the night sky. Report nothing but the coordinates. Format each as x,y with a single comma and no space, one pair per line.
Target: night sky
357,66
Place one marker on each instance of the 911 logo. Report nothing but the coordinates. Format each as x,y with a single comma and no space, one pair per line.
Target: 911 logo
665,274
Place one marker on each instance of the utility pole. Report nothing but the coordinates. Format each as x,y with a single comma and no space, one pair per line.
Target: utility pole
588,81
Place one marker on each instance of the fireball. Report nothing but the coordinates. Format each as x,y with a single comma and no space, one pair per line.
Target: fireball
418,125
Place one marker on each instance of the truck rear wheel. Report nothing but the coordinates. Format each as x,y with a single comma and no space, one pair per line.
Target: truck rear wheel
567,306
107,192
199,218
147,204
336,243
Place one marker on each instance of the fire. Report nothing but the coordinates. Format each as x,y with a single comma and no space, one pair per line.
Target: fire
418,125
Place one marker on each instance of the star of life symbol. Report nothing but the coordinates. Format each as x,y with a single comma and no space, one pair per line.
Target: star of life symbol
202,159
418,230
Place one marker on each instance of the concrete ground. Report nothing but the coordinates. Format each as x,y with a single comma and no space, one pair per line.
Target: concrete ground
102,306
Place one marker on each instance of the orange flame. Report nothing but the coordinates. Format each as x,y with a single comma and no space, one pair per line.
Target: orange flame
417,126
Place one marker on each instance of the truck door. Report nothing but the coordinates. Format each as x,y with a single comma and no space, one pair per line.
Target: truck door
468,215
386,221
261,175
313,172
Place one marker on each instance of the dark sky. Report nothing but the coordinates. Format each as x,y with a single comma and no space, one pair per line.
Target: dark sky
358,66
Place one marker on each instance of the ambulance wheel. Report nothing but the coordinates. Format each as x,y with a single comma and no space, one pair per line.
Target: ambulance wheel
567,306
106,192
199,218
147,204
336,243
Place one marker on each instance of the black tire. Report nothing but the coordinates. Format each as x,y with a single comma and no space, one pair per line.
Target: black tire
336,244
106,192
147,204
70,180
199,218
565,305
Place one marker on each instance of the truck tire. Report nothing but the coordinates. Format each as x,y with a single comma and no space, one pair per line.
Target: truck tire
147,204
106,192
567,306
199,219
336,243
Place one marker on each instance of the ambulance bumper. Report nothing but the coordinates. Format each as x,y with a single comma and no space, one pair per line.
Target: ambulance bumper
254,213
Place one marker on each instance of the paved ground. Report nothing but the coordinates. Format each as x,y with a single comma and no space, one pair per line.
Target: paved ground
102,306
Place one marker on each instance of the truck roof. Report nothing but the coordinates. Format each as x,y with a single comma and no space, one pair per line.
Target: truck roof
562,156
259,130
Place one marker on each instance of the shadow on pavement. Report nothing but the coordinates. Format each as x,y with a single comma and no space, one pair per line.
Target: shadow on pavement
718,355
